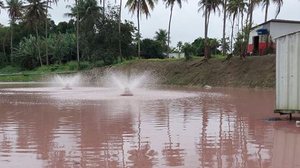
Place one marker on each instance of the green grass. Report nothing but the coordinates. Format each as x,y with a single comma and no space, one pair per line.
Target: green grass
164,60
15,74
68,67
9,70
219,57
20,78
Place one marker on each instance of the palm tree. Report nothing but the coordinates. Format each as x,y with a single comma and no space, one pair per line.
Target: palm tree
15,9
103,6
179,46
234,8
119,24
104,3
75,13
77,35
251,6
249,20
89,14
242,10
49,2
224,26
1,4
35,14
171,3
266,4
140,7
208,6
162,37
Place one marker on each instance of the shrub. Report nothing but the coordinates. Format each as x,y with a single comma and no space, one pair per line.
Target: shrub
188,51
85,65
151,49
10,69
72,65
99,63
108,58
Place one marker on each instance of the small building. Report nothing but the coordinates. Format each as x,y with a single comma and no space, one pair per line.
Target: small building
261,37
288,73
176,55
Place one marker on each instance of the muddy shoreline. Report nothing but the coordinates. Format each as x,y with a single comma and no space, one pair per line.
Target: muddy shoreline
253,72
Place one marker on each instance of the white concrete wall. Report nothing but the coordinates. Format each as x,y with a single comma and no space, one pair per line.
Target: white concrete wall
280,29
288,72
176,55
276,30
254,33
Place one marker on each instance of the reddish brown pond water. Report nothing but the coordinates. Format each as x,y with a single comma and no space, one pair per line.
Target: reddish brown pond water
209,128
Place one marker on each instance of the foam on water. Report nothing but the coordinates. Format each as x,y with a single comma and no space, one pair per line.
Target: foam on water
101,93
114,86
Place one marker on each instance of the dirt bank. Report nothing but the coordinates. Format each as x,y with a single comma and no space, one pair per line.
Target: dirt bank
252,72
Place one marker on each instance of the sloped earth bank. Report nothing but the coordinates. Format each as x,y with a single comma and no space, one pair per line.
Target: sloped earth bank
252,72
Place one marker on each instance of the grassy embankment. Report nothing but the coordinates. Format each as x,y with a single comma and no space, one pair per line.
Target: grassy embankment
15,74
251,72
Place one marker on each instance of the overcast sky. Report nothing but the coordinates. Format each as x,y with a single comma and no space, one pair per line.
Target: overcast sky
187,23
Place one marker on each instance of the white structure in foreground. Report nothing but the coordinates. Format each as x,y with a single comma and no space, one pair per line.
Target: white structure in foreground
288,73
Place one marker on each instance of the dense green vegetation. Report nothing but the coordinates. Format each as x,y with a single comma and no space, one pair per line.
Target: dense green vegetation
96,36
99,39
17,74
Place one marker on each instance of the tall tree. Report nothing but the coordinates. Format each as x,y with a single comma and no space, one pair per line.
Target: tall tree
179,46
35,14
171,3
242,11
75,13
162,37
119,28
224,26
49,3
266,4
235,7
77,36
140,7
208,6
251,6
249,21
1,5
15,9
103,6
89,15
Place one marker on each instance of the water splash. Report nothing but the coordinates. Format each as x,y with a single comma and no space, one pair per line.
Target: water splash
127,92
130,82
66,81
127,81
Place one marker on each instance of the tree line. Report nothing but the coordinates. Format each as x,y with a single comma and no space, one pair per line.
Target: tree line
97,33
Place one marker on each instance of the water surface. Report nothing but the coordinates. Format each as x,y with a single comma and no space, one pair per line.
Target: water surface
95,127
